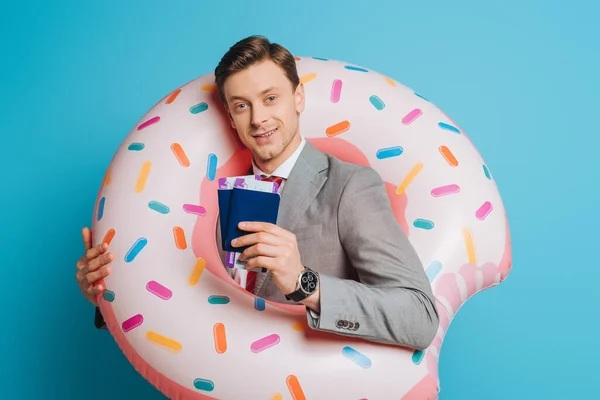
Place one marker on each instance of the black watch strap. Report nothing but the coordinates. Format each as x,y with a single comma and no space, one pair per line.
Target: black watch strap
296,296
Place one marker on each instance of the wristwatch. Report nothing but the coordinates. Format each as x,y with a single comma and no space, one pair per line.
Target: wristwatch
308,282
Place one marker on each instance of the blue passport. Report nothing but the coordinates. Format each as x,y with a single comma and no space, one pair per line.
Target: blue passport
237,205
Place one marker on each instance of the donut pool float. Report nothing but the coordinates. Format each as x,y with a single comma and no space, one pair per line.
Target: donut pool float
194,333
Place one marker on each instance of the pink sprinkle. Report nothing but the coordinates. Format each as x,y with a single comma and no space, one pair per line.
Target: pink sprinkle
444,190
484,210
336,91
146,124
264,343
193,209
132,322
412,116
159,290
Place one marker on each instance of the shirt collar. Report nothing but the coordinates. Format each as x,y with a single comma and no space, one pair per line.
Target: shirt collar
284,169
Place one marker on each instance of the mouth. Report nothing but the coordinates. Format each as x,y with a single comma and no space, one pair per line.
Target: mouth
266,134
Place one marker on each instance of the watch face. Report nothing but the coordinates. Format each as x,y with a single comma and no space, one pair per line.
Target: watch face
308,282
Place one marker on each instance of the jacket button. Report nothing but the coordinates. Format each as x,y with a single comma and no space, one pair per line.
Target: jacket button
356,326
350,326
340,323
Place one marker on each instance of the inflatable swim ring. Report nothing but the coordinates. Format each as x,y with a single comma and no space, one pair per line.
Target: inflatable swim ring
191,331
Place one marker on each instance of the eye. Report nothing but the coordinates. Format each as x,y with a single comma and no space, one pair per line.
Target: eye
239,106
271,98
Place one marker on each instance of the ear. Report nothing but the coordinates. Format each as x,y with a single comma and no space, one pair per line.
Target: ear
299,95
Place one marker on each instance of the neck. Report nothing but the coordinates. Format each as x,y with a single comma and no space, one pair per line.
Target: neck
268,167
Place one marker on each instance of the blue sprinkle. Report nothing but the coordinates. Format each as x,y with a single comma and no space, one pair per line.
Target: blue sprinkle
448,127
377,102
418,95
322,59
198,108
136,146
218,299
135,249
108,295
356,357
259,304
204,384
423,223
389,152
433,270
101,208
351,68
417,356
211,167
158,207
486,171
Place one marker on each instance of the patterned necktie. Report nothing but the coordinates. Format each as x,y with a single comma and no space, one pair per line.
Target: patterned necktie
251,276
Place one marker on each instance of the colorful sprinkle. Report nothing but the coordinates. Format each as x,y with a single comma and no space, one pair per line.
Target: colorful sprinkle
468,238
434,269
389,152
486,171
197,271
445,190
259,304
321,59
136,146
377,102
135,249
448,156
220,338
159,290
294,387
336,91
204,384
101,208
417,356
194,209
163,341
179,236
265,343
484,210
418,95
158,207
276,396
107,178
146,124
218,299
198,108
356,357
352,68
173,96
409,178
109,236
337,129
412,116
211,167
299,326
180,155
132,322
390,81
209,88
448,127
108,295
297,58
143,177
308,77
423,223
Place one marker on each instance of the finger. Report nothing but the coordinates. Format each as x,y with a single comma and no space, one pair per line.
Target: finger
86,234
100,261
95,289
259,249
254,238
81,277
260,262
94,276
96,251
81,263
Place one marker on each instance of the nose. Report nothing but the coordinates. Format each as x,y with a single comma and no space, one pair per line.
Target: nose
259,115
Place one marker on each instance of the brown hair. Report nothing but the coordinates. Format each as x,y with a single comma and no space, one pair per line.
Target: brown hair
253,50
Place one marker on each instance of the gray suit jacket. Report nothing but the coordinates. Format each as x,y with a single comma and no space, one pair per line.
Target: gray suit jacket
372,282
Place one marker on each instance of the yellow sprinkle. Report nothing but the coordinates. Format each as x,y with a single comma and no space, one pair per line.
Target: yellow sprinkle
299,326
276,396
468,238
163,341
107,178
308,77
209,88
390,81
197,272
145,171
409,178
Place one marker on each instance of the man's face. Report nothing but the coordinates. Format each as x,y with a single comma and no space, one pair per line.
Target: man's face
265,111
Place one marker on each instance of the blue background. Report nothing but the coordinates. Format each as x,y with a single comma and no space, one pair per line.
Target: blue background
520,77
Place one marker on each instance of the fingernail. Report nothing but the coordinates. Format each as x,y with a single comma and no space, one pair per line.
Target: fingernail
242,224
234,242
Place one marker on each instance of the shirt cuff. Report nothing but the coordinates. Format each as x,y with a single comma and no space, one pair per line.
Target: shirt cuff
313,318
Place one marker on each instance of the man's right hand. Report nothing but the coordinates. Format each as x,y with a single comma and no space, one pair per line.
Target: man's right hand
92,267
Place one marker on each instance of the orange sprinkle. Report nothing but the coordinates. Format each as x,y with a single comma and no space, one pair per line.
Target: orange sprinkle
276,396
337,129
468,238
107,178
173,96
299,326
297,58
209,88
409,178
143,177
295,388
109,236
179,238
180,155
448,156
220,338
390,81
197,271
308,77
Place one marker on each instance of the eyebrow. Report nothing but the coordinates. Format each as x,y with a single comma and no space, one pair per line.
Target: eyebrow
267,90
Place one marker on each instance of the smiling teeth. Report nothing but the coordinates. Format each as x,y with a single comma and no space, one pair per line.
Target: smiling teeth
267,134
